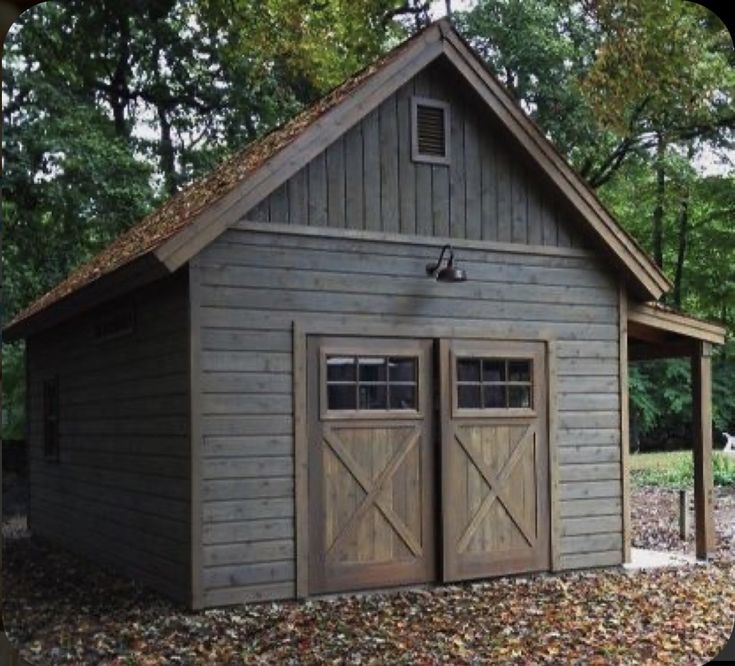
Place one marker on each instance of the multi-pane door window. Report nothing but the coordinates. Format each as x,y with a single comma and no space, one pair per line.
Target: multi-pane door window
371,383
494,383
51,419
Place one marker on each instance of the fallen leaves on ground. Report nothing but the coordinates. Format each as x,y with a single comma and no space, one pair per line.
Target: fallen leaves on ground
655,520
62,610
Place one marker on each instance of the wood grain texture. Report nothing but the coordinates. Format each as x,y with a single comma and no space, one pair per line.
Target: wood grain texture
366,179
701,368
624,423
371,519
256,284
121,491
495,475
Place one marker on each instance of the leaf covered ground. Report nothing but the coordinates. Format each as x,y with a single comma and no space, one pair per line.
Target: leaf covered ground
60,609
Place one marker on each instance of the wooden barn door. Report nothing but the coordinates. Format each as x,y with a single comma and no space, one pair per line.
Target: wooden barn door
494,453
371,507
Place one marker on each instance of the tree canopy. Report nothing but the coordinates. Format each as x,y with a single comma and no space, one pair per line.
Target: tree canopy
109,108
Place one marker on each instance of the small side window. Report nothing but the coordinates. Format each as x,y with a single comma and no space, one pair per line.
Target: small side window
430,130
51,419
494,383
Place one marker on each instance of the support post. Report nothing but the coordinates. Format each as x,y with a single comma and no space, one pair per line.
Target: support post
702,429
624,420
683,515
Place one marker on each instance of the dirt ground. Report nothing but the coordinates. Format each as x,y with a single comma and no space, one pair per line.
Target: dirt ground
62,610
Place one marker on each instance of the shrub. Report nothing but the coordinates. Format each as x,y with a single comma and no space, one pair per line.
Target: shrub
723,468
678,472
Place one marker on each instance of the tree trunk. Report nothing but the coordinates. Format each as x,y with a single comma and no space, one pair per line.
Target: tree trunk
166,152
683,230
658,211
119,92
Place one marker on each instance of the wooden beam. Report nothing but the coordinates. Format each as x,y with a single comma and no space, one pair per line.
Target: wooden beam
643,333
434,242
196,438
624,420
648,315
301,461
702,428
553,419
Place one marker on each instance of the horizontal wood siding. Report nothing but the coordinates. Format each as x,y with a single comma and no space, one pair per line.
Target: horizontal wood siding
367,180
254,284
119,493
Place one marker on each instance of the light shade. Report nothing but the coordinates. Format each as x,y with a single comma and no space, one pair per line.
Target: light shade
448,273
451,273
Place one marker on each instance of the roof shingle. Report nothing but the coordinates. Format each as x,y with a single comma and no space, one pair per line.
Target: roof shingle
182,209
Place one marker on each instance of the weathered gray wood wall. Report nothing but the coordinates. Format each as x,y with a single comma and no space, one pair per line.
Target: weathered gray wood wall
367,180
120,492
254,284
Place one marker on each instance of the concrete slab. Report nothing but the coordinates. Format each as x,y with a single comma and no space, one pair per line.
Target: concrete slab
641,559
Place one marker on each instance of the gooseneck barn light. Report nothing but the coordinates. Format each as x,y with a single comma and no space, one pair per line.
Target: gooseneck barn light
450,273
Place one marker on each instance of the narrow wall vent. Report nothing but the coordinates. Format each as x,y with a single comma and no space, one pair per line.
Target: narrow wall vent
430,131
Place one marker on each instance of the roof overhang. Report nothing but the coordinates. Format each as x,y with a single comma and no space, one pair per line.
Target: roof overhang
655,332
202,224
141,271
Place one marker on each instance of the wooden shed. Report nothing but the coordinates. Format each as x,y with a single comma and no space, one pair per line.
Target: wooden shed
261,392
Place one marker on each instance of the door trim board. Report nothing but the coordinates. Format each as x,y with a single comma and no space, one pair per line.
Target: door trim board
308,326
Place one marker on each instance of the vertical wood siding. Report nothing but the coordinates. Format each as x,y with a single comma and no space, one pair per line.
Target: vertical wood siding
255,284
367,179
120,491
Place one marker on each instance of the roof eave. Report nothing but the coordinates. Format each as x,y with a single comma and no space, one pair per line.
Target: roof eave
677,323
137,273
643,274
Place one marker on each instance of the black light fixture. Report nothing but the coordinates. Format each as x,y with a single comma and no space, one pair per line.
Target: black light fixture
450,273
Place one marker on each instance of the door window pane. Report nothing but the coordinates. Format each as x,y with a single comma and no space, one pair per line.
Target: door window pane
402,396
372,369
493,370
341,396
519,396
468,370
493,397
402,369
469,396
371,383
494,383
519,371
373,396
341,369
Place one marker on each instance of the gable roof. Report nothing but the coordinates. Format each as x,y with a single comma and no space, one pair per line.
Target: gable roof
174,233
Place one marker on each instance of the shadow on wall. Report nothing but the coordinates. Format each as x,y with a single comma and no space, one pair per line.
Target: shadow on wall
15,478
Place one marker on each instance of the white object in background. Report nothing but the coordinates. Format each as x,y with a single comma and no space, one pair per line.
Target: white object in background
730,444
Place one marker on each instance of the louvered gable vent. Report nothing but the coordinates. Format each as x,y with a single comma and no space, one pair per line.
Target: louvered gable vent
430,131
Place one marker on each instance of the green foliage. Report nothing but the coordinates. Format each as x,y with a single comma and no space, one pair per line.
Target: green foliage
723,469
14,392
540,50
660,400
676,469
644,410
111,107
609,82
